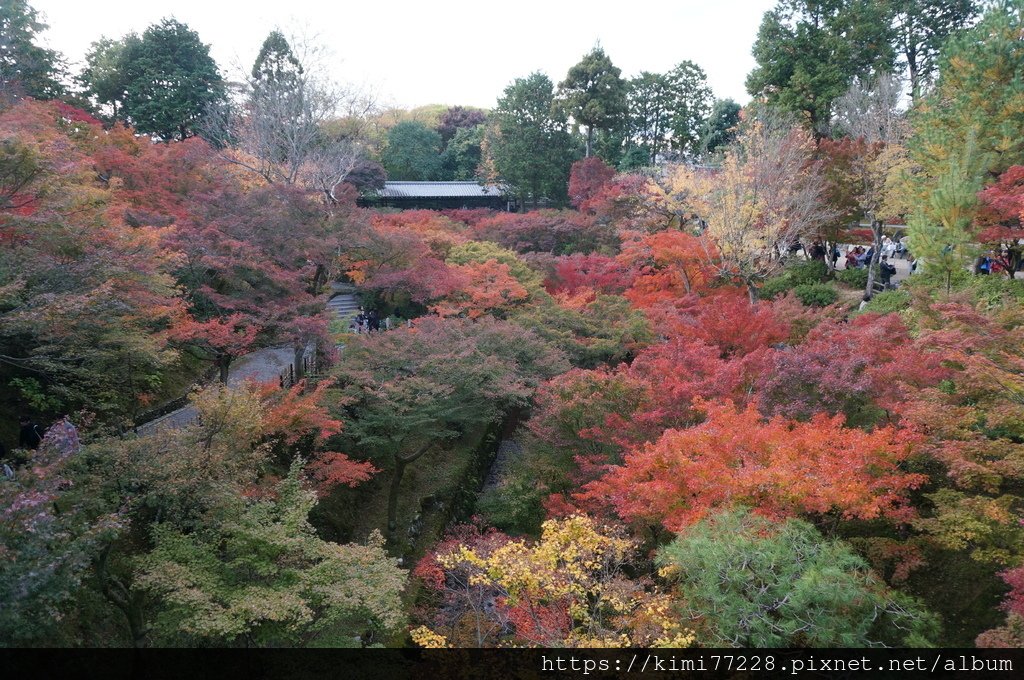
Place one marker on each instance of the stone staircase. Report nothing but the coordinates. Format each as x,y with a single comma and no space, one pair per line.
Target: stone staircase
343,304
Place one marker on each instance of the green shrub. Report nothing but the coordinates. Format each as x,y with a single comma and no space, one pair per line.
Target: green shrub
996,290
774,287
935,281
857,278
888,301
799,273
516,507
816,294
806,271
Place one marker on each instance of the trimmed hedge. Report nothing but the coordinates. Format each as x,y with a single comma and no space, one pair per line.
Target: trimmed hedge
816,294
857,278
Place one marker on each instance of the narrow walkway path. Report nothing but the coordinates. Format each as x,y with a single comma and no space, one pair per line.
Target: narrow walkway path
265,365
508,449
343,305
902,268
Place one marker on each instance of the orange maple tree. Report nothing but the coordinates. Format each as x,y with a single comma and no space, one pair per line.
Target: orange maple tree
778,467
482,287
671,264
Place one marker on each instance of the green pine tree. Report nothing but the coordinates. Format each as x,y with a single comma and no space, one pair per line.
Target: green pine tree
940,232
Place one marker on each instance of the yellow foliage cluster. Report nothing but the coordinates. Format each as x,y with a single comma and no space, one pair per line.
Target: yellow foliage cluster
428,639
576,565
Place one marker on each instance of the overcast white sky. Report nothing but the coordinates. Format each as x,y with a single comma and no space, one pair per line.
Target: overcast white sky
448,51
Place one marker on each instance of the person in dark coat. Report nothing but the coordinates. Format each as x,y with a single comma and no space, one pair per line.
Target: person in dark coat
29,436
885,271
817,251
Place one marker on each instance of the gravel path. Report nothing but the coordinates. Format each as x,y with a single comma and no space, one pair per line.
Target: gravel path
902,267
265,365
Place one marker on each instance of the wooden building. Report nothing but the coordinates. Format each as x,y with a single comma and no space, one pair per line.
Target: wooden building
439,196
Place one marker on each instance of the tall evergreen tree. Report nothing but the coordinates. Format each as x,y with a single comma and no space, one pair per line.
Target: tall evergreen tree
922,28
978,94
25,67
720,127
691,107
669,109
650,112
461,158
809,51
103,78
594,94
413,152
170,80
940,230
277,98
276,70
529,146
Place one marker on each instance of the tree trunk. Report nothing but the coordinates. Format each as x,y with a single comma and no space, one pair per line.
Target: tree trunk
915,76
829,262
319,279
299,354
751,292
876,233
223,366
396,483
123,598
590,139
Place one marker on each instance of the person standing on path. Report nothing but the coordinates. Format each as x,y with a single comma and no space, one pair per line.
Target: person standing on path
29,435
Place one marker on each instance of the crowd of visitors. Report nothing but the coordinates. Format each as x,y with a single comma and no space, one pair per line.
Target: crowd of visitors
369,322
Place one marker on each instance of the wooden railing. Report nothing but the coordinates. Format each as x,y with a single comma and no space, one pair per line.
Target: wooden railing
310,370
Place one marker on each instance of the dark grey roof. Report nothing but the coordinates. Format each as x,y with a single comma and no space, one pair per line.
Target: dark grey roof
438,190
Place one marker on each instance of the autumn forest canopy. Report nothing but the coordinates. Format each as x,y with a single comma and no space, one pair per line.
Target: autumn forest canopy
731,376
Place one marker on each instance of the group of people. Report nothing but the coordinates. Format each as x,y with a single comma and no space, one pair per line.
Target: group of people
858,257
369,322
989,263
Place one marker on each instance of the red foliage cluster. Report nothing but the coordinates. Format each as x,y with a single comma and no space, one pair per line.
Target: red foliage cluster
630,203
669,266
724,318
550,231
600,273
586,179
841,367
1003,204
1014,601
1001,218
